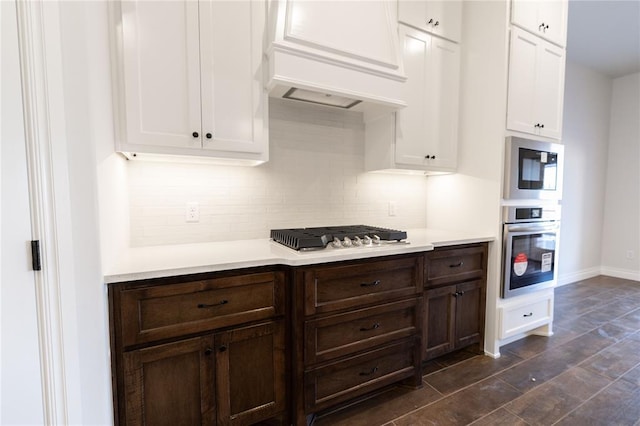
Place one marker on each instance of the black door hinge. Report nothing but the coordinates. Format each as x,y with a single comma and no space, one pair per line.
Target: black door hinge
35,255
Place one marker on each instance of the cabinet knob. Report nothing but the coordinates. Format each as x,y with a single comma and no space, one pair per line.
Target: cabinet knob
433,157
222,348
542,126
456,294
430,21
195,134
530,314
436,24
208,351
208,135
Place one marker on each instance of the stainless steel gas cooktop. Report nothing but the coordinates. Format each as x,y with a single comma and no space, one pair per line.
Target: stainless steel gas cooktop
337,236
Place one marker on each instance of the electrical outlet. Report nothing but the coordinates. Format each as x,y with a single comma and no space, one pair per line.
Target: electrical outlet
192,212
630,254
393,208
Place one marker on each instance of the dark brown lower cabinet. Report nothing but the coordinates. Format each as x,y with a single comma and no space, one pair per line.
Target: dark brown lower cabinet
235,377
453,317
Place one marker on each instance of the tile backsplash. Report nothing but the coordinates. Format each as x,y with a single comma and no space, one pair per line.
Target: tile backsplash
315,177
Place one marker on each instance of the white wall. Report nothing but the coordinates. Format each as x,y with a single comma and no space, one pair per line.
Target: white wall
587,102
621,233
314,178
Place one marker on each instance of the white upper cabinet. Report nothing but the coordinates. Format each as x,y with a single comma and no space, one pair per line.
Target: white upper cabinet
545,18
189,78
424,135
442,18
536,85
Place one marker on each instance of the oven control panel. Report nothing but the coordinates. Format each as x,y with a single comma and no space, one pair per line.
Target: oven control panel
517,214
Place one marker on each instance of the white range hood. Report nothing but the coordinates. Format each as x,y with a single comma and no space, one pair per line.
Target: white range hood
338,53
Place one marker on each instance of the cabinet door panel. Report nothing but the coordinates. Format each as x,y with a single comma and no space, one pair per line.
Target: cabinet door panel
250,380
231,54
439,317
469,313
522,82
550,89
170,384
554,15
161,73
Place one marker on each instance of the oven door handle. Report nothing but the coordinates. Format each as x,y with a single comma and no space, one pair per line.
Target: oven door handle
529,227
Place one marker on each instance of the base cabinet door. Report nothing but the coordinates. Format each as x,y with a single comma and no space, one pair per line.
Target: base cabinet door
440,319
171,384
469,313
250,380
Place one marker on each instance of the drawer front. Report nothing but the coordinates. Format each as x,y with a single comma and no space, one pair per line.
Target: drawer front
333,288
338,335
519,319
165,311
360,374
455,265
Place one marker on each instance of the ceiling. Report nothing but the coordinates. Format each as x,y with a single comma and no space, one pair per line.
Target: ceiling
604,35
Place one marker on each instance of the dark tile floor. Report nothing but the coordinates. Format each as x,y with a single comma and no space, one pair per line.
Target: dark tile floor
587,373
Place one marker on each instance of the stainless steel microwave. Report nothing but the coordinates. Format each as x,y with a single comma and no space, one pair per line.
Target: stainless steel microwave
533,170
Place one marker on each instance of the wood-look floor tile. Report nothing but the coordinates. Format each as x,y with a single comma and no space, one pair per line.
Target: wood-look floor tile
533,345
468,372
633,376
616,360
382,408
500,417
618,404
463,407
554,399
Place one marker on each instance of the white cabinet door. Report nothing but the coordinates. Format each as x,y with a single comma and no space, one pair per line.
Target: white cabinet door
233,99
536,85
427,129
545,18
192,81
442,18
161,73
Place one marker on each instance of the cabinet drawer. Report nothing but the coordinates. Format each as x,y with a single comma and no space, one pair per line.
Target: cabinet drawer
165,311
454,265
333,288
521,318
338,335
360,374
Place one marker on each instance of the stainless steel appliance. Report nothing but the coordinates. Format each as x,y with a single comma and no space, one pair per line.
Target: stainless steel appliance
337,237
533,170
530,242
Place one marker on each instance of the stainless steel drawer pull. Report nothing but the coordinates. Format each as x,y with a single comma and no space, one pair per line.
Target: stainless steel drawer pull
372,284
530,314
457,265
370,372
213,305
373,327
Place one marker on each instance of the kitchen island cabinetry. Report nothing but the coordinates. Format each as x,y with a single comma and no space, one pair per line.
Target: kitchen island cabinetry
536,85
356,329
188,78
424,135
455,287
206,351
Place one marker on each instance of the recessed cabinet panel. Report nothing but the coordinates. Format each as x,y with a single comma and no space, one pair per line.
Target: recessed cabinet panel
442,18
189,78
536,85
161,72
545,18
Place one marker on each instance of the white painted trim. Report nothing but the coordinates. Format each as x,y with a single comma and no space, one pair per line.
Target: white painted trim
628,274
573,277
38,44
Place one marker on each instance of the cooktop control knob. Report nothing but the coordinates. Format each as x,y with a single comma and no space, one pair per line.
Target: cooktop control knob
336,242
346,242
367,240
376,239
357,241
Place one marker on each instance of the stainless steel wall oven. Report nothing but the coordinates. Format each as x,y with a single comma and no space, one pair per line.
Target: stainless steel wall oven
530,241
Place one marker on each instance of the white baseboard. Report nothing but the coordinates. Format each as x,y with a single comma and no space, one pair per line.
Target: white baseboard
627,274
584,274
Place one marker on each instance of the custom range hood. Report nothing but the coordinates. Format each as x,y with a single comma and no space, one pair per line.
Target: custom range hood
343,54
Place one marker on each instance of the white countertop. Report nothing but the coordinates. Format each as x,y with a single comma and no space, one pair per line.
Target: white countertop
162,261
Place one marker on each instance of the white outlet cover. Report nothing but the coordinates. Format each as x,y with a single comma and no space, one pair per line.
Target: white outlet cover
192,212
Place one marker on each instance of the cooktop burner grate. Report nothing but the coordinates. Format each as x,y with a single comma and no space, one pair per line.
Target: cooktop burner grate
317,238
